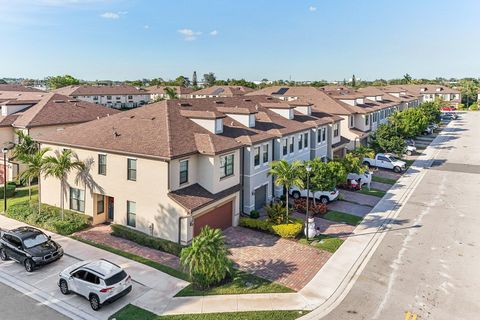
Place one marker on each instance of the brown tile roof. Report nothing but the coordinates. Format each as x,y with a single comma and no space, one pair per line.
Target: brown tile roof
18,88
161,89
430,88
21,95
224,91
195,197
197,114
89,90
7,121
342,142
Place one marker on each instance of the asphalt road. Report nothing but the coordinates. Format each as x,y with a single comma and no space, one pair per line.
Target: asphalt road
17,306
429,262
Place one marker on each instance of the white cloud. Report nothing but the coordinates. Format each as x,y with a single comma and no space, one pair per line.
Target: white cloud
214,33
312,8
113,15
146,26
189,34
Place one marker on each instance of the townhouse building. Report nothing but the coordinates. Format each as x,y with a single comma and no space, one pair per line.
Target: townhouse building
158,92
430,93
172,167
221,92
39,113
114,96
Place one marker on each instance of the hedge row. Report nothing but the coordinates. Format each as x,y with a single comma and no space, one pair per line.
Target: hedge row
10,190
50,217
146,240
286,230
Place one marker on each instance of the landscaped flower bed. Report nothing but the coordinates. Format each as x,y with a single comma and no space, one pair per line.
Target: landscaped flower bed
315,209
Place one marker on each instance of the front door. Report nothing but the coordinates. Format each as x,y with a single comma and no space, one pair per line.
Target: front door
260,197
110,208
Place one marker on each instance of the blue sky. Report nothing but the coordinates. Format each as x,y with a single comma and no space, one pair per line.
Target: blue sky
252,39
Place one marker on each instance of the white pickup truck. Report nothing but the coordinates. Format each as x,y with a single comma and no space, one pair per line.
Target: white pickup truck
386,161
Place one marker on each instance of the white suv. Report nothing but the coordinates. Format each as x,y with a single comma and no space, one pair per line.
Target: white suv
100,281
323,196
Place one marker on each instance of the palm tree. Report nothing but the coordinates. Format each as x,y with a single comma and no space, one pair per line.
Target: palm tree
59,166
287,175
35,167
206,259
25,148
171,93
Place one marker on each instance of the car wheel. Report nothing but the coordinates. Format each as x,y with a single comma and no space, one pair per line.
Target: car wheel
64,287
3,254
29,265
95,302
296,195
366,163
409,153
323,200
397,169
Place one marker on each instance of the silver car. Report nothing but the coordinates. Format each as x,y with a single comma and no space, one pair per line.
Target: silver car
99,281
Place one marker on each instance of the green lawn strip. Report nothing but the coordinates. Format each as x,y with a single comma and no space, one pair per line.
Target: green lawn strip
130,312
21,195
384,180
242,283
343,217
408,163
372,192
168,270
323,242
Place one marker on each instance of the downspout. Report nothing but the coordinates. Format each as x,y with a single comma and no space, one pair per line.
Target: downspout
273,159
242,178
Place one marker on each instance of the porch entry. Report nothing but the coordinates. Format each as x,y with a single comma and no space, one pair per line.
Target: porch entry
111,207
260,197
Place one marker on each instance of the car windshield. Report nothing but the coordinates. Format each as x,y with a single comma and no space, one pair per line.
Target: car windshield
35,240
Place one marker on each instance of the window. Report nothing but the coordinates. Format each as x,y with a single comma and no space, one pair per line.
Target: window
285,146
95,98
305,140
132,169
265,153
100,204
366,119
118,98
183,171
300,142
292,144
324,134
335,130
131,214
319,135
77,200
102,164
256,157
351,121
226,166
109,97
80,274
130,97
90,277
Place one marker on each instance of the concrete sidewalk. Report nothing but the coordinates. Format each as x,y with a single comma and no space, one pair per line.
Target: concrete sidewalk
336,276
41,284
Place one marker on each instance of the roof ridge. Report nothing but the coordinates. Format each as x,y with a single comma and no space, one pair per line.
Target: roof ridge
167,119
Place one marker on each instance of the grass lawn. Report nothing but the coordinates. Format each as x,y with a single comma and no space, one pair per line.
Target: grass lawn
131,312
173,272
343,217
408,163
372,192
324,242
383,180
21,194
242,283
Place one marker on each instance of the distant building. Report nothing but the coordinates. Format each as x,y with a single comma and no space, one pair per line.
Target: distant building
222,92
118,97
158,92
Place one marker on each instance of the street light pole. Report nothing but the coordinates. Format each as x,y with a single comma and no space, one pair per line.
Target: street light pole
4,150
307,216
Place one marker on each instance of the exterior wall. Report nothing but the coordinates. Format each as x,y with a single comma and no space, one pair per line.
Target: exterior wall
256,176
318,149
345,129
118,101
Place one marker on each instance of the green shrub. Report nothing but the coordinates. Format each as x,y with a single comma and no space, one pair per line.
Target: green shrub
206,259
146,240
49,218
288,230
11,187
254,214
474,107
276,212
257,224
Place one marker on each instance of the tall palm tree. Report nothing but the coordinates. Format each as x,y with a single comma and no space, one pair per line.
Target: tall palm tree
171,93
287,175
25,148
59,166
35,167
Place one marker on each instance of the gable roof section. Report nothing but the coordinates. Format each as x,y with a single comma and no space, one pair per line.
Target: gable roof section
18,88
224,91
89,90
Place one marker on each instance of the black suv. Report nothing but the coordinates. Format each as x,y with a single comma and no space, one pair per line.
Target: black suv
29,246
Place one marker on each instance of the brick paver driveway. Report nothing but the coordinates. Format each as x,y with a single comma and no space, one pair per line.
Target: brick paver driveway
283,261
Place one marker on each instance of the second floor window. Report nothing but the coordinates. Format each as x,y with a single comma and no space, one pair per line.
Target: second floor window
183,171
102,164
292,143
132,169
305,140
351,121
265,153
130,97
95,98
366,119
109,97
300,142
285,146
335,130
324,134
319,135
226,166
256,156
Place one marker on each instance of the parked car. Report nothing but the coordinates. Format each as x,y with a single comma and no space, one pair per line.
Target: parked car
449,116
410,150
449,108
324,196
386,161
364,178
433,125
427,131
99,281
29,246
